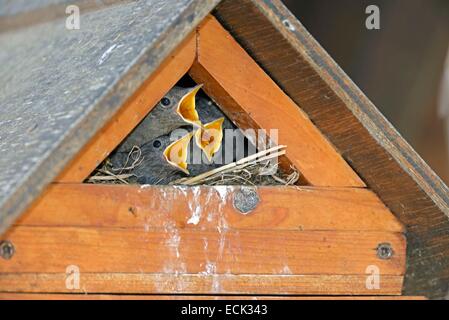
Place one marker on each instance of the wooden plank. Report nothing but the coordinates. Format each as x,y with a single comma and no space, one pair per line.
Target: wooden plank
381,157
77,296
280,208
131,113
252,100
172,249
142,283
57,98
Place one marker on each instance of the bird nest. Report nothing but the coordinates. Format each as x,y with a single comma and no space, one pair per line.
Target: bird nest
253,170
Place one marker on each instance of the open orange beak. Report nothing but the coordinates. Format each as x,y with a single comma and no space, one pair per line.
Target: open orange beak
176,153
187,109
209,137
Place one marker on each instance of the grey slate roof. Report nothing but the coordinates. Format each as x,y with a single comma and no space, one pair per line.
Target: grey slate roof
58,86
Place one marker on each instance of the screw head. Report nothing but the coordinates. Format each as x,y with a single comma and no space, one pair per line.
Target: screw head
157,144
246,199
165,101
6,250
384,251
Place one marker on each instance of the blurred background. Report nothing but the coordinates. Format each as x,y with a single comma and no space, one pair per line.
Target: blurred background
399,67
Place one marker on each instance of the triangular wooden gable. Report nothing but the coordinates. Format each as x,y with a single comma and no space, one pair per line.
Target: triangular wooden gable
325,238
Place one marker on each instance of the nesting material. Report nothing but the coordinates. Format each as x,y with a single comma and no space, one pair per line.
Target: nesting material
237,166
253,170
107,173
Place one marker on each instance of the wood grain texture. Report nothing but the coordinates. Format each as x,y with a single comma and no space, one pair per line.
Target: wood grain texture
78,296
280,208
252,100
194,241
385,162
142,283
192,250
131,113
58,93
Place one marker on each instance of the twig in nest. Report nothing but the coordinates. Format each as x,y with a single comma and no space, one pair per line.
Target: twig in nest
120,177
137,160
242,163
291,179
104,173
109,176
278,179
231,177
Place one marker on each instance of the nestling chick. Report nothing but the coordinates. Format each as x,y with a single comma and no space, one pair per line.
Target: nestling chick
168,157
176,152
175,110
164,160
153,169
209,137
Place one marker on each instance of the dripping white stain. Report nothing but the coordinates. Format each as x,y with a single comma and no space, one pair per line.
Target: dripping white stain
174,238
195,207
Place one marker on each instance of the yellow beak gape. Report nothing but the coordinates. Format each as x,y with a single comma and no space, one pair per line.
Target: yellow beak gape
209,137
187,108
176,153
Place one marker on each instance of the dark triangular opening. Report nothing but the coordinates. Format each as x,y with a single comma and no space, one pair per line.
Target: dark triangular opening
139,158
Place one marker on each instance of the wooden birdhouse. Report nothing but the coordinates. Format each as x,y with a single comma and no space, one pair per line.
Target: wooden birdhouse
350,210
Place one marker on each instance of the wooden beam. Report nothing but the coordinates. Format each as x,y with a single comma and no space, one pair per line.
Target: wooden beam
252,100
321,241
166,283
280,208
131,113
78,296
173,249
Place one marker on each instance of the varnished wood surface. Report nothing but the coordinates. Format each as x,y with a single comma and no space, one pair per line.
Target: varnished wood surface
77,296
31,296
192,250
252,100
163,283
280,208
